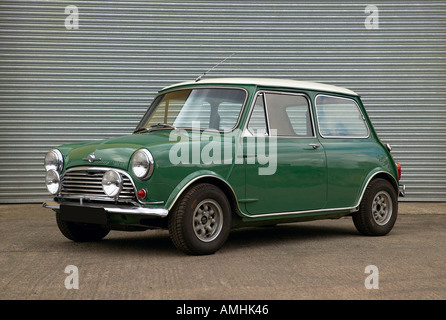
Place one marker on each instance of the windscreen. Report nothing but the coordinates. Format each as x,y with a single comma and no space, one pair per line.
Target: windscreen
204,108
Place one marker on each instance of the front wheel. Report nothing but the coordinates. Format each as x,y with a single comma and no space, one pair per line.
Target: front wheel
201,220
81,232
378,209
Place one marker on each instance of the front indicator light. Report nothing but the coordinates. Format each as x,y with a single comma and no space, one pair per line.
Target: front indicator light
52,181
142,193
112,183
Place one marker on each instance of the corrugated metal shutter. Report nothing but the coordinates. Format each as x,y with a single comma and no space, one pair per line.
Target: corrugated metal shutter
59,85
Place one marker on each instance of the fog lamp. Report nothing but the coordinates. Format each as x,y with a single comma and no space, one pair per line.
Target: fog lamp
112,183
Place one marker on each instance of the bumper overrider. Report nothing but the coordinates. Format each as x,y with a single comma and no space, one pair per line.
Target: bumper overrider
402,190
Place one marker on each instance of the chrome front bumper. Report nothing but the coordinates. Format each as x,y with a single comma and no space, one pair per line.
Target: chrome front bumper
111,208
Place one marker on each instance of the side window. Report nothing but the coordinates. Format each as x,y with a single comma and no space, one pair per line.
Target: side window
300,120
340,117
257,122
228,113
289,114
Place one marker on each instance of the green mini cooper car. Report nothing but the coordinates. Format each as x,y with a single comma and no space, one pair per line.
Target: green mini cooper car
217,154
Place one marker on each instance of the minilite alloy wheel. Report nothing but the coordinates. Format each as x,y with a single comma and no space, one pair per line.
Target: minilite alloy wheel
382,208
208,220
201,220
378,209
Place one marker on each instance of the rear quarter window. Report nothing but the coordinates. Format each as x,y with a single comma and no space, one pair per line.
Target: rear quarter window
340,118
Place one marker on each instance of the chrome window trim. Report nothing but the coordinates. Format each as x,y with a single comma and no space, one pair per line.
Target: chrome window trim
265,109
246,131
341,137
264,93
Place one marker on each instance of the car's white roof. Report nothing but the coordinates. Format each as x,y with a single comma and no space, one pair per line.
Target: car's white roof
271,82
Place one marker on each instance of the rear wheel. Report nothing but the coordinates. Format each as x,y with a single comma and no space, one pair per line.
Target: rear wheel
200,222
378,209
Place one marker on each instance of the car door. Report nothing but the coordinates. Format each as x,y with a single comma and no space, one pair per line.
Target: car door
285,166
351,153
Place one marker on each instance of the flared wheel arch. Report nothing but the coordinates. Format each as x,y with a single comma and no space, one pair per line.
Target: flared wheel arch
218,182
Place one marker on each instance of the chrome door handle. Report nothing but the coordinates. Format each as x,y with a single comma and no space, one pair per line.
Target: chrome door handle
314,145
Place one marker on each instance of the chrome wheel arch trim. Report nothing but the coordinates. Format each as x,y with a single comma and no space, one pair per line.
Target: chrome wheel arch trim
189,183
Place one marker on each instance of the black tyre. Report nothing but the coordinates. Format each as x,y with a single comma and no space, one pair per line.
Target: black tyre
378,209
201,220
81,232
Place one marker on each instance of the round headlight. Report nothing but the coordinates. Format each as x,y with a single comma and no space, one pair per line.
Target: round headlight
142,164
54,160
112,183
52,181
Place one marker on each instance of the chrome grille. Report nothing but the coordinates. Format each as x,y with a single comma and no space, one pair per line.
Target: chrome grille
87,183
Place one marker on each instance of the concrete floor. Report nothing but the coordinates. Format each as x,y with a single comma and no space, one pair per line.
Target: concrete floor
324,259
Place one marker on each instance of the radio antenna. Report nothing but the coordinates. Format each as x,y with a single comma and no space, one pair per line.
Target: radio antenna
204,74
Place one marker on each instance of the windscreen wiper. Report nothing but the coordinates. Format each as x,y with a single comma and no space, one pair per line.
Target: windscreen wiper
141,130
154,127
161,126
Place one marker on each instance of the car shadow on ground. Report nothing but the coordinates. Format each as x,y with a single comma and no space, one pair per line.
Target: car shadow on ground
158,242
283,233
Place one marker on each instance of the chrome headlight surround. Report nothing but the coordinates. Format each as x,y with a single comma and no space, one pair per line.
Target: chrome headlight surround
142,164
53,160
112,183
52,181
